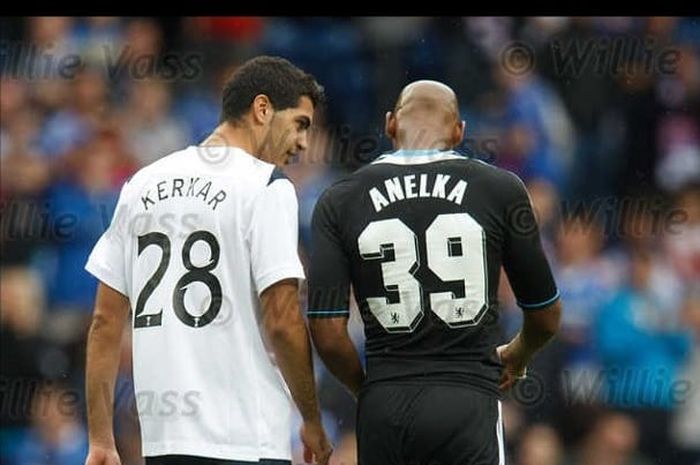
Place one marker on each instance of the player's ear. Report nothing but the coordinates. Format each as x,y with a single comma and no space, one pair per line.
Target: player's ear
390,125
458,133
261,109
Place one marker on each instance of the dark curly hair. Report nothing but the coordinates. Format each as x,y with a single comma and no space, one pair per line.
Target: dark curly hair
282,82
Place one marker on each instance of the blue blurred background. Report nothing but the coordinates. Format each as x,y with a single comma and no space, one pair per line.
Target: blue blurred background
600,117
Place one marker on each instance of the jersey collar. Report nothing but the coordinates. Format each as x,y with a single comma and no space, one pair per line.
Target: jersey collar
416,157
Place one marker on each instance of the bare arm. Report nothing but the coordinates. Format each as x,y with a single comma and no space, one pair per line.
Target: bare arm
287,334
104,340
336,349
532,281
539,327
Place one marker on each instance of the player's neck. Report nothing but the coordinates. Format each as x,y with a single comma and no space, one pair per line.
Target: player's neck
422,140
232,136
411,147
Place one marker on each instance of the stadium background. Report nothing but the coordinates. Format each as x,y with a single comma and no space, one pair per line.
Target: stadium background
600,116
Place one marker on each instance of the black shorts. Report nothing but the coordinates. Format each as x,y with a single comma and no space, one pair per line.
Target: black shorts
191,460
412,424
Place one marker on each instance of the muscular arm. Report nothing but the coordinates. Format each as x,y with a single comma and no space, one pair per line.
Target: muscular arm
104,340
329,292
286,332
539,327
336,349
531,278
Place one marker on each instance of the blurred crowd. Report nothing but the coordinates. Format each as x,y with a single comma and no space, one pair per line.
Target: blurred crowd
600,117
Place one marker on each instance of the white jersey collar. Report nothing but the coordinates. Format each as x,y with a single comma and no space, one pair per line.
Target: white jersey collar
417,157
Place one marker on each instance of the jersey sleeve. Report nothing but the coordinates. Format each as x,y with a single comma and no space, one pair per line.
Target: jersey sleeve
524,260
273,234
107,259
329,274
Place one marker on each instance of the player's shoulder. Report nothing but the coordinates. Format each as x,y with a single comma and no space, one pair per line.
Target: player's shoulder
176,158
275,175
262,172
452,161
501,176
142,174
222,161
338,190
501,186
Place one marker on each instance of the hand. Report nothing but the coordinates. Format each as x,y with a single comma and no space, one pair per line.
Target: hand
99,455
317,448
514,365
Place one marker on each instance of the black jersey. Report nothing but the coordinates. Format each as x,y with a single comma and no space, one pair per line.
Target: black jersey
421,236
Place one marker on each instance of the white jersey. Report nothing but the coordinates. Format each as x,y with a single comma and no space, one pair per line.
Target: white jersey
196,237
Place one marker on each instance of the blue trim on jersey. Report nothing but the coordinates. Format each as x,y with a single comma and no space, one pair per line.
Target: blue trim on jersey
275,175
539,305
418,152
327,313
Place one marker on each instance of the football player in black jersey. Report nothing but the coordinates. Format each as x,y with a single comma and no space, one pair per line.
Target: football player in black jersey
421,234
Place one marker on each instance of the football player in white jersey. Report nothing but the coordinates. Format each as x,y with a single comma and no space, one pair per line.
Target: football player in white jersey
203,248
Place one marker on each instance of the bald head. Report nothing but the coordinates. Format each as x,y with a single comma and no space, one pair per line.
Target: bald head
426,116
432,96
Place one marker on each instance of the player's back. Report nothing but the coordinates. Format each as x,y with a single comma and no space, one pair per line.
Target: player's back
204,381
423,235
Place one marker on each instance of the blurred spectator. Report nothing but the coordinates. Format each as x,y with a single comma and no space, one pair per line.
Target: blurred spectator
542,29
678,129
683,240
587,92
21,309
21,137
23,178
48,36
21,296
585,279
96,37
13,100
639,111
613,441
539,135
46,31
311,174
149,130
21,304
545,203
680,158
642,382
644,226
86,111
388,39
490,34
57,436
486,121
332,51
540,445
143,37
198,109
137,56
686,424
231,28
513,427
81,207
